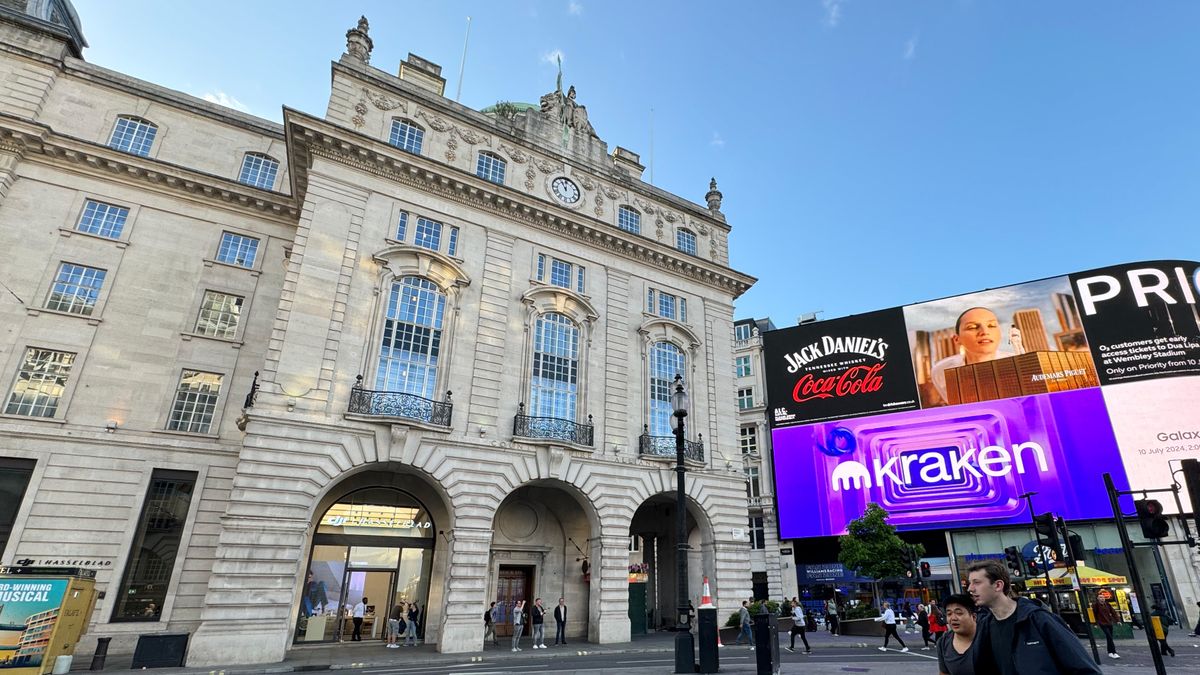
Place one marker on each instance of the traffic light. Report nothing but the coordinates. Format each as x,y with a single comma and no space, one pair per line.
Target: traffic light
1191,479
1047,529
1012,556
925,569
1150,517
1075,547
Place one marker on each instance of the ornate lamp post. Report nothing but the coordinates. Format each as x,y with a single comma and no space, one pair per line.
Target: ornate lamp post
685,656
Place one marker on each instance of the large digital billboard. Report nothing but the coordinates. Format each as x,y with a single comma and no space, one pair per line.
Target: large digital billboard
944,412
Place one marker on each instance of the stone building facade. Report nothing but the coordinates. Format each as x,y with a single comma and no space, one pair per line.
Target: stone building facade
403,349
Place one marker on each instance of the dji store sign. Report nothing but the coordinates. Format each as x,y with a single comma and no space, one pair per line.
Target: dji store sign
945,412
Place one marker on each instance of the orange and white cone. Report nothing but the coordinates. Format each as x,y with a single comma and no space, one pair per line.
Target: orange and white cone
706,597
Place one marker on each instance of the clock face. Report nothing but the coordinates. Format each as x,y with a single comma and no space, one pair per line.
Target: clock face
565,189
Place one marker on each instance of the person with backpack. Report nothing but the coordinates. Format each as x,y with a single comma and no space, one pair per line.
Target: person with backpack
489,624
937,621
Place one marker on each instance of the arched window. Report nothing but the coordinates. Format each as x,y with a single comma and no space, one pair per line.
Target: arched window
666,361
133,135
629,219
554,387
258,170
407,136
685,240
490,167
412,338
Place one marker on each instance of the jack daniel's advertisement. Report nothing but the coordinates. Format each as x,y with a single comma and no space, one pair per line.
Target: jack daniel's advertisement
836,369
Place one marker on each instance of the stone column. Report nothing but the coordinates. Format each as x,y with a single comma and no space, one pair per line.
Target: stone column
609,620
466,590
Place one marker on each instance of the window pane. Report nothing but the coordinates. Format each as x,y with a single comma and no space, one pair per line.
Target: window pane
429,234
555,367
152,559
195,402
237,250
579,279
412,335
75,289
685,241
541,267
666,361
560,273
402,227
490,167
629,220
753,484
743,366
452,245
748,440
102,219
650,301
745,398
219,315
741,331
683,309
406,136
259,171
14,478
666,305
133,135
40,383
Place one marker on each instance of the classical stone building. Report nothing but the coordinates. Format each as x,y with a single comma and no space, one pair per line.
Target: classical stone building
401,349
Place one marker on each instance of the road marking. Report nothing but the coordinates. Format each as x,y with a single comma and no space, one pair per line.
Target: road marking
654,661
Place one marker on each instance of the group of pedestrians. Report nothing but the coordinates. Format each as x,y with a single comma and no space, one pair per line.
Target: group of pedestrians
403,622
536,621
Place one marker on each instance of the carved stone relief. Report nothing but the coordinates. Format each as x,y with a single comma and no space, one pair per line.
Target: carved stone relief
383,102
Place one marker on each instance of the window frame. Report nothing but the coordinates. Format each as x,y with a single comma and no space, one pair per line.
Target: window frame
743,366
395,139
629,219
142,122
686,241
496,172
263,159
656,426
748,442
67,386
435,356
759,542
218,404
739,329
424,223
110,207
744,394
258,245
239,325
574,383
93,309
575,273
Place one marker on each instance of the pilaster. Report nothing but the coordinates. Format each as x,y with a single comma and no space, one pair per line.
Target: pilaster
466,590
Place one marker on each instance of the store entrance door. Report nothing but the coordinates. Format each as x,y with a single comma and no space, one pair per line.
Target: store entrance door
377,586
515,583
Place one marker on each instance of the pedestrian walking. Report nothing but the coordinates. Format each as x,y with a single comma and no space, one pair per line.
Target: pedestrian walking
489,624
889,628
744,623
923,624
956,652
537,617
393,623
410,635
937,621
1164,618
799,626
910,619
1196,630
1106,618
560,622
518,622
1018,637
831,614
360,610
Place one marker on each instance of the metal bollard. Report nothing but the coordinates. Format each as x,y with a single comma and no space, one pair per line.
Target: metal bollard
707,637
101,653
766,642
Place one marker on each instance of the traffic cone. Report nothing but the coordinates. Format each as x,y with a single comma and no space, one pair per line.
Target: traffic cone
706,597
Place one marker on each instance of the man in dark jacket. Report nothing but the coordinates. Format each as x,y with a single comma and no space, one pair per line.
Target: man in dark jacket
1017,637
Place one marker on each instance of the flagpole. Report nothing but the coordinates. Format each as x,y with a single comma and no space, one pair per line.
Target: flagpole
462,65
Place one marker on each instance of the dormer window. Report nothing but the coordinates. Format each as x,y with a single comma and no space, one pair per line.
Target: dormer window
258,170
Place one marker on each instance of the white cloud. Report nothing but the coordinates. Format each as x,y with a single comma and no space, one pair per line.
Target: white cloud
553,56
833,12
717,141
574,7
221,98
910,48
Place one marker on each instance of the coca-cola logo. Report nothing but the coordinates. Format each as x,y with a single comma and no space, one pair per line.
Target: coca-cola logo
851,382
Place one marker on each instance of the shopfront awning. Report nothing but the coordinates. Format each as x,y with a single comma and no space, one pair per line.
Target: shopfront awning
1088,576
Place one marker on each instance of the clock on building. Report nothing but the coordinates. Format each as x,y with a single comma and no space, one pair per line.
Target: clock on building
565,190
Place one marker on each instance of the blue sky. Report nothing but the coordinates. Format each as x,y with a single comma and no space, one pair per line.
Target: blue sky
871,153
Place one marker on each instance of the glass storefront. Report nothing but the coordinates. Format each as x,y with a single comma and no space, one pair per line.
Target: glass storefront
374,544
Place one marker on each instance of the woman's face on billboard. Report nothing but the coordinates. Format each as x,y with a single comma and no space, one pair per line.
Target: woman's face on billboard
979,334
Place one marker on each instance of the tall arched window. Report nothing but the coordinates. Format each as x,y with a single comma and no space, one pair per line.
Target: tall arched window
554,387
412,338
666,361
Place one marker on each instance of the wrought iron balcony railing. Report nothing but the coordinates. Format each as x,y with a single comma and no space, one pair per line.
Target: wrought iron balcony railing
552,428
400,404
664,446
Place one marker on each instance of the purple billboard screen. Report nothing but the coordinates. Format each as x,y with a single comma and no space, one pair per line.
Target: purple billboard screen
948,467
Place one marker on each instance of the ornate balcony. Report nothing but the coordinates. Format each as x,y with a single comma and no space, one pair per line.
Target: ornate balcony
552,428
400,405
664,446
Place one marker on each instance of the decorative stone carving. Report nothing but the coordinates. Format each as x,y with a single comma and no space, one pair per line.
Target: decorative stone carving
714,196
383,102
473,137
517,155
612,194
530,174
436,123
358,43
566,111
360,110
545,166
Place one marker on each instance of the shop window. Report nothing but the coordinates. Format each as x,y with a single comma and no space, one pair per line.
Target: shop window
14,479
143,589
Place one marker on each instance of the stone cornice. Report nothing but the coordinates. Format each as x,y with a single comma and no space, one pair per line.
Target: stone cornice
308,136
467,115
33,140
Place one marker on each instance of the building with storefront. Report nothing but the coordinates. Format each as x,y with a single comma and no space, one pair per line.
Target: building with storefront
401,350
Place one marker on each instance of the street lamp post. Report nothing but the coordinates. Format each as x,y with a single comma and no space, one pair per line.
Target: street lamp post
685,656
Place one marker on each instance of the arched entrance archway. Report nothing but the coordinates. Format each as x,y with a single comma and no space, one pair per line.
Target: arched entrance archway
374,539
542,548
653,548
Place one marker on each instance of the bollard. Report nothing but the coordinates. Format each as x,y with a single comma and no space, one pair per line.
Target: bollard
766,642
707,635
101,653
